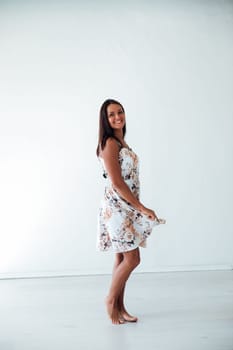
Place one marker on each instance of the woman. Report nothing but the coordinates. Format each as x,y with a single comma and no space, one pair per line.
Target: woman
124,223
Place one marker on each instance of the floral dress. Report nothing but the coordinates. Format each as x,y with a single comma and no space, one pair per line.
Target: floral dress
120,226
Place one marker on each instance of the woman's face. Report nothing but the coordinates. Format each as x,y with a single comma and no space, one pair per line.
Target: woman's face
116,116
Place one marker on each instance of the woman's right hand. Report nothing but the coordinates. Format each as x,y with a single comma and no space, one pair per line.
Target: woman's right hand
150,213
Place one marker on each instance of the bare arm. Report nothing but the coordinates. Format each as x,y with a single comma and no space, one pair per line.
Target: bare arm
110,155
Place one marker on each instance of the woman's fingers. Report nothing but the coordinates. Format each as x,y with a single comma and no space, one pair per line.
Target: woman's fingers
151,215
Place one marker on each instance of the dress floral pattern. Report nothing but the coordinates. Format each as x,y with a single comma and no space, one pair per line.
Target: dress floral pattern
120,226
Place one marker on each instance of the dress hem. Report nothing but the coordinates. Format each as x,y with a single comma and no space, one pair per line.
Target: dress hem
118,251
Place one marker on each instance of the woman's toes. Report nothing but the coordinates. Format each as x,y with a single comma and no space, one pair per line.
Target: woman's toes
116,317
129,318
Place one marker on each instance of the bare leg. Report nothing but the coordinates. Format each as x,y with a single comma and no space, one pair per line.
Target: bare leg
124,313
124,265
120,303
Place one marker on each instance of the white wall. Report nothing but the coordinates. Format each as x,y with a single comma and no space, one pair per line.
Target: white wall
171,67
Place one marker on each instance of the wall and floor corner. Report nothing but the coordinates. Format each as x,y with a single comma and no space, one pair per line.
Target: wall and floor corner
170,64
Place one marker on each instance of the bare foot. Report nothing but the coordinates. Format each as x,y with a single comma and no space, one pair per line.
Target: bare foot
113,312
127,317
116,317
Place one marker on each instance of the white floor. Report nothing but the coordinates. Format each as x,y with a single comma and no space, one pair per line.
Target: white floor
178,311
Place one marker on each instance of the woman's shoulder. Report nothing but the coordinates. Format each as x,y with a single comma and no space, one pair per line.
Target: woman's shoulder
112,145
112,141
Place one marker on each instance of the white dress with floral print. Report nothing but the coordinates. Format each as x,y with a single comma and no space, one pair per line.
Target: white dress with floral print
120,226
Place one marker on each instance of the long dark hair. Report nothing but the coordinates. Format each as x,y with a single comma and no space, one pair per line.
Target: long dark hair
105,130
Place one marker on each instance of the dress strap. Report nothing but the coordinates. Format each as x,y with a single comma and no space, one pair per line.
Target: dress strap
119,144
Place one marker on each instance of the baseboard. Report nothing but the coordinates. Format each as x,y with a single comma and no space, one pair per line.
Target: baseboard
76,273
